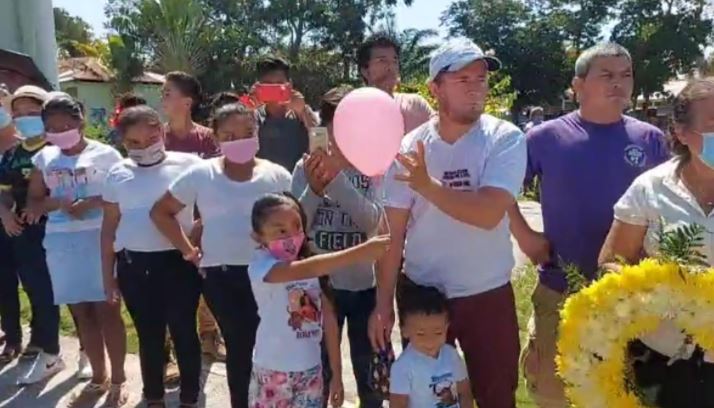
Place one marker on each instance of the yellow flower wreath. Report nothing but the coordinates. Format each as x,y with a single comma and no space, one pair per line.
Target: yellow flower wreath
599,321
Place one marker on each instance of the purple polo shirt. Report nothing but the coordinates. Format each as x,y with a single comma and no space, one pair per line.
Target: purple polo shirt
584,169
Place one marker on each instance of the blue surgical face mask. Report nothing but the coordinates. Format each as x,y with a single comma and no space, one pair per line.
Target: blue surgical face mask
29,126
5,118
707,154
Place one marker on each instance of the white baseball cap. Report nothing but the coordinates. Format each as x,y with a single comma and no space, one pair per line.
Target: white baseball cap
458,53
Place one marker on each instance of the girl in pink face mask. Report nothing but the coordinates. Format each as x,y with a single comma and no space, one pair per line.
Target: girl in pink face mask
290,289
223,189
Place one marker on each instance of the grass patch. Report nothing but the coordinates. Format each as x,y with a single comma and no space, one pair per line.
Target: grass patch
523,286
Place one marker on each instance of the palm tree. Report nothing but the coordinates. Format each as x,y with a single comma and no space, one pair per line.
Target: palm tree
416,52
181,32
416,46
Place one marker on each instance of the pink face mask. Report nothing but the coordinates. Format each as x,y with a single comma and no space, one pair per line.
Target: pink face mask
240,151
64,140
287,249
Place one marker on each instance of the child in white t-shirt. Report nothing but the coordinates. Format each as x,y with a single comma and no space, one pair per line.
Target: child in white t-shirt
429,373
293,308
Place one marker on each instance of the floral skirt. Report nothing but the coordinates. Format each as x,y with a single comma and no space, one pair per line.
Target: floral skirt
278,389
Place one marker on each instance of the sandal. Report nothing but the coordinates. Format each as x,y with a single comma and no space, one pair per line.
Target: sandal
156,404
9,354
117,397
89,395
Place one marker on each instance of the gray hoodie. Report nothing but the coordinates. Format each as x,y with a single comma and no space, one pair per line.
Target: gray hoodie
345,217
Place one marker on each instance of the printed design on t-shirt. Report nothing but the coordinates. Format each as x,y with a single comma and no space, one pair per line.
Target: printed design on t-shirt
304,309
635,156
329,219
69,183
457,179
72,185
444,390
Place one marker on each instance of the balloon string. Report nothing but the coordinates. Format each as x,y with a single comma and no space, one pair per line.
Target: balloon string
381,196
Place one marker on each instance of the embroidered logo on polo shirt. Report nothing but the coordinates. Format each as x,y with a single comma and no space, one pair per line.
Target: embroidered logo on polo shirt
635,156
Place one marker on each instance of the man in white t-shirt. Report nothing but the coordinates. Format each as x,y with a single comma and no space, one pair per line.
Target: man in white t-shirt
446,199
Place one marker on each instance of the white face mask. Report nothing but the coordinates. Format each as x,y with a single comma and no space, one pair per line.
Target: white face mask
148,156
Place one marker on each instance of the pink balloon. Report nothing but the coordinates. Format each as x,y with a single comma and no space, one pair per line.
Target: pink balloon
369,128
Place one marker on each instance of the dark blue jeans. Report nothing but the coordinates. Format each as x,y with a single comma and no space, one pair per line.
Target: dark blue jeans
29,256
9,298
354,309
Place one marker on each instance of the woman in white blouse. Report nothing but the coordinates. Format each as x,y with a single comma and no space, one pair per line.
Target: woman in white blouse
223,189
159,287
677,193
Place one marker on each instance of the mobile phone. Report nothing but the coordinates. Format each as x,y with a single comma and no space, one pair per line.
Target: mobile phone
319,139
274,93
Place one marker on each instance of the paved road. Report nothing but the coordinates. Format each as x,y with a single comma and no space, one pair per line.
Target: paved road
58,391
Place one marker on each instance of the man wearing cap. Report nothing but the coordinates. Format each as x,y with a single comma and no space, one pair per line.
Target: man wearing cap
446,199
25,238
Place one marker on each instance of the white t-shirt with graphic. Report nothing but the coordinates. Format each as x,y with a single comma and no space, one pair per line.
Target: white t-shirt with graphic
429,382
75,178
226,205
440,251
290,328
136,189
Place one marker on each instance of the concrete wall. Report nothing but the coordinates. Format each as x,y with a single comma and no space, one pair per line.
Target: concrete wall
28,27
99,101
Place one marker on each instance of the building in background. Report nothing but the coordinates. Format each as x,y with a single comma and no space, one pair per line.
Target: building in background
90,82
27,27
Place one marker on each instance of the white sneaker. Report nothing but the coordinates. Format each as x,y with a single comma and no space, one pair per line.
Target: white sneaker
44,367
84,371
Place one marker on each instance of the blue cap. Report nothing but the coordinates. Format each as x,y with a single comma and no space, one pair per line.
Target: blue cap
456,54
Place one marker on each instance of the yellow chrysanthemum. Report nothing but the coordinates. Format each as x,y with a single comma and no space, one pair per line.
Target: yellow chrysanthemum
598,322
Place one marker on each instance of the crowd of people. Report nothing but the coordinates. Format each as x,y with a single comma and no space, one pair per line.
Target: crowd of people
249,246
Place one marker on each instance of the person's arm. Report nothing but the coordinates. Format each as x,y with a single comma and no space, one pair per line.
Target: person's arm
363,211
533,243
163,214
110,223
466,399
334,355
401,401
624,241
324,264
399,385
38,203
484,208
300,187
387,270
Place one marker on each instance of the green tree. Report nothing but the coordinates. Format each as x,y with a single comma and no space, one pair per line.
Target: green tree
527,41
580,20
416,52
664,37
74,35
124,61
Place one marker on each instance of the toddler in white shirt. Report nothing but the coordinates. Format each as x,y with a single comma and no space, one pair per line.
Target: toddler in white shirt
429,373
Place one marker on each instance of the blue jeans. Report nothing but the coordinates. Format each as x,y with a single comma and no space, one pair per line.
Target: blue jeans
29,256
9,297
354,308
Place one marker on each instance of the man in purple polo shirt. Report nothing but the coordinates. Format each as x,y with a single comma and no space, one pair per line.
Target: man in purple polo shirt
585,161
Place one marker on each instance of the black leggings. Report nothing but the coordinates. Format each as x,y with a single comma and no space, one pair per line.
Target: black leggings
229,295
160,289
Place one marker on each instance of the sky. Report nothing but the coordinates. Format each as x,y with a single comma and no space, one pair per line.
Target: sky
423,14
